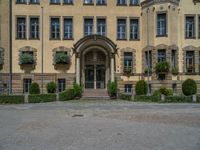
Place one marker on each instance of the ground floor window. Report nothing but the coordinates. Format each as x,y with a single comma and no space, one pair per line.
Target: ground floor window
61,85
128,88
174,88
26,85
190,68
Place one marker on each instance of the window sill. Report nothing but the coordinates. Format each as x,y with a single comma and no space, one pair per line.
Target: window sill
68,3
121,5
134,39
91,4
121,39
134,5
54,3
101,4
34,39
21,38
71,39
190,38
161,35
25,3
34,3
52,39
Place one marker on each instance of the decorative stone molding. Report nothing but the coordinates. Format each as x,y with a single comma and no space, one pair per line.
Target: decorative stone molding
148,3
196,1
28,67
61,49
133,51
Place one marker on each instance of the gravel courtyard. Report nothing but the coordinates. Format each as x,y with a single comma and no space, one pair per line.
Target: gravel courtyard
100,125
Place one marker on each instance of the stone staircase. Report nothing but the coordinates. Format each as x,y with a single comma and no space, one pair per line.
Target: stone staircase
95,94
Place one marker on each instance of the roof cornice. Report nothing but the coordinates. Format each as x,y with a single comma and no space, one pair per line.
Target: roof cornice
148,3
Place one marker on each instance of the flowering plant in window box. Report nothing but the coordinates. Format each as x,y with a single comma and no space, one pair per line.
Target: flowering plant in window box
128,70
162,67
26,58
62,58
146,71
174,71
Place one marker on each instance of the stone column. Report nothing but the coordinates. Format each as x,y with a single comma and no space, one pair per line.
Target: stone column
78,69
112,67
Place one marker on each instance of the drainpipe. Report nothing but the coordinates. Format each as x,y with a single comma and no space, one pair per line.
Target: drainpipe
10,47
42,50
148,55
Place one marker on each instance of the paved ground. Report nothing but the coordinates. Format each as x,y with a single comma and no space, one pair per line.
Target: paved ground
100,125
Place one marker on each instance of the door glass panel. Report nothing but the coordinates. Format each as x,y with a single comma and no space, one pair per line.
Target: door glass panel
100,76
89,77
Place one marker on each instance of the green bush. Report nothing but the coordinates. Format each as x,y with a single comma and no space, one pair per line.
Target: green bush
175,71
189,87
51,87
77,90
124,96
164,91
162,67
26,58
41,98
11,99
147,98
112,89
62,58
141,88
66,95
34,89
178,99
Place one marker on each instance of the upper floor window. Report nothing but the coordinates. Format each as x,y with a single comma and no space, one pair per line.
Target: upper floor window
88,26
69,2
55,28
128,61
161,55
68,28
134,2
190,27
134,29
101,2
21,28
34,28
199,26
190,64
34,1
54,1
121,2
148,60
173,58
121,29
88,2
21,1
101,26
161,24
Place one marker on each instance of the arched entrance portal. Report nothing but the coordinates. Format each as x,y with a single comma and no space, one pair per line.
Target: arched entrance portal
95,61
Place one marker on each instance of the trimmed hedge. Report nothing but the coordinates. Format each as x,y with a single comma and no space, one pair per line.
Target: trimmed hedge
164,91
189,87
66,95
11,99
124,96
147,99
141,87
51,87
178,99
41,98
34,88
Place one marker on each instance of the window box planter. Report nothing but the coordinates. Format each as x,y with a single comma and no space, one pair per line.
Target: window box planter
26,58
61,58
128,70
162,68
174,71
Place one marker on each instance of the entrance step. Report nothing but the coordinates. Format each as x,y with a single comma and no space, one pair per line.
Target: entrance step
95,94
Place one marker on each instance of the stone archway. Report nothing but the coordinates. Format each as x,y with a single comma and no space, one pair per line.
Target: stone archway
92,47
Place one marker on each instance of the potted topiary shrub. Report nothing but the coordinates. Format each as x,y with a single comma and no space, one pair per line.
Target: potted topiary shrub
34,89
189,87
77,91
112,90
141,88
62,58
51,87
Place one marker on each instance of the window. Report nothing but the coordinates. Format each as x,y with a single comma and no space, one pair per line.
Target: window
128,88
134,29
161,55
21,27
148,61
121,2
134,2
101,27
61,85
1,56
190,67
121,29
26,85
68,2
55,28
88,2
173,58
21,1
34,28
68,28
128,61
88,26
199,26
174,88
101,2
161,24
190,27
54,1
34,1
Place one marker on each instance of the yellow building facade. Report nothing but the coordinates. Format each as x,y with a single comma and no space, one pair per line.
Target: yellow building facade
93,42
